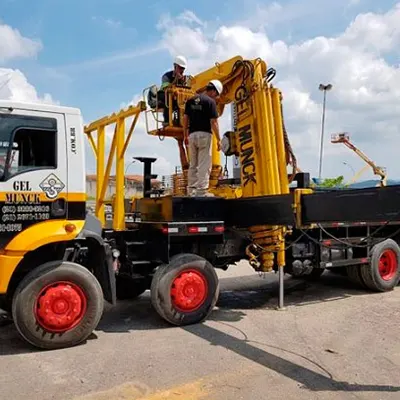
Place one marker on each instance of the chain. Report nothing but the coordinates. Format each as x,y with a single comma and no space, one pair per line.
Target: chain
226,172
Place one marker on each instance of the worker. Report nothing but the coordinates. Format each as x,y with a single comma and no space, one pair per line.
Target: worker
200,121
174,76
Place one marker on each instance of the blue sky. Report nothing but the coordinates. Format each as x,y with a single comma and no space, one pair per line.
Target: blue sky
84,42
98,54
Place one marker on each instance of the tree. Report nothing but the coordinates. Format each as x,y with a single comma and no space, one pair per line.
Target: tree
332,182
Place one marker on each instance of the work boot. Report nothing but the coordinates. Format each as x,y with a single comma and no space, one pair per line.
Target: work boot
191,192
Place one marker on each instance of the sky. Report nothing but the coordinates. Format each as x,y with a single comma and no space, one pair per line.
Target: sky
99,55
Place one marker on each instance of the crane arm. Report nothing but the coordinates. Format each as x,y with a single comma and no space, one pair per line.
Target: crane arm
260,139
344,138
377,170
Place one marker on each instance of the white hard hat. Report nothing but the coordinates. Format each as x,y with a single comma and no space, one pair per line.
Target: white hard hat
181,61
217,84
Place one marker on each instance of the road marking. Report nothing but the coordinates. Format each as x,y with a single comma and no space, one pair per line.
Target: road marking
195,390
203,388
191,391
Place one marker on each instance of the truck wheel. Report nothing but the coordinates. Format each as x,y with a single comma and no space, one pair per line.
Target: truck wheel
57,305
128,288
382,274
186,290
354,275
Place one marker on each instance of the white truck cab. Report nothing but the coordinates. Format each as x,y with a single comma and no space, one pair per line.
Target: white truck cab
42,165
54,270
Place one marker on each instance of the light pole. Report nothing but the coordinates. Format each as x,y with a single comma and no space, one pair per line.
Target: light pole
323,88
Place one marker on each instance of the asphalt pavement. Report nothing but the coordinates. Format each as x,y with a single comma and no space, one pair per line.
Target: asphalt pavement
332,342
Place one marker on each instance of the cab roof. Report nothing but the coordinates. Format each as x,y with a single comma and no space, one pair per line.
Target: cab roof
42,107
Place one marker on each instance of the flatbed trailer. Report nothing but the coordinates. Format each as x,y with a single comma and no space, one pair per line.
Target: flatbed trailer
343,228
58,262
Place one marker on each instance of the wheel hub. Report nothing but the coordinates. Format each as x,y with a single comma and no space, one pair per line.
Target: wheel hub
60,307
189,290
388,265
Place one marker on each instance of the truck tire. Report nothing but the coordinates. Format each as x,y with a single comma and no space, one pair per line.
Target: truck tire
186,290
57,305
382,274
354,275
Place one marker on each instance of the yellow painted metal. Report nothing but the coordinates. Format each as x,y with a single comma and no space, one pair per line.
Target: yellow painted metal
259,142
119,212
227,191
221,71
216,168
280,143
33,237
118,149
8,266
297,205
92,143
101,143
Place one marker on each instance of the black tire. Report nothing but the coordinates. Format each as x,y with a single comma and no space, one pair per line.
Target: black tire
128,288
338,271
385,254
85,290
354,275
161,288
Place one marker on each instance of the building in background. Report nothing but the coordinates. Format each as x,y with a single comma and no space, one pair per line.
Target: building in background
133,186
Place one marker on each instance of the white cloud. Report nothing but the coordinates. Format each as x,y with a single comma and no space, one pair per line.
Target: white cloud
14,45
109,22
15,87
366,87
364,100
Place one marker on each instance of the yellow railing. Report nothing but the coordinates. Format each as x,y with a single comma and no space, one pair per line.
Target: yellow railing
118,149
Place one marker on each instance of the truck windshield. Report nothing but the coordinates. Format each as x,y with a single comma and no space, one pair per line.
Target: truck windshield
26,142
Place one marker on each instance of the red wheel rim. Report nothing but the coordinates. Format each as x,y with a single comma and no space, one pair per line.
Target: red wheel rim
189,290
60,307
388,265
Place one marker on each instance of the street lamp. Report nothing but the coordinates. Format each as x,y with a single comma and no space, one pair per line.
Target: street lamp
323,88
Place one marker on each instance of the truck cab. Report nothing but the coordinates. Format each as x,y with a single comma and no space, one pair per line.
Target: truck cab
44,227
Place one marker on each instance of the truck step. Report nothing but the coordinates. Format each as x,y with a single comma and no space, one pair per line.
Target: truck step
129,244
141,262
345,263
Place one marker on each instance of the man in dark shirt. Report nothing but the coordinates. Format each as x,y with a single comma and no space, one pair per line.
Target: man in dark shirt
199,124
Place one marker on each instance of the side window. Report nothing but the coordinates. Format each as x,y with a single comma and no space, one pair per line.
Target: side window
33,149
28,143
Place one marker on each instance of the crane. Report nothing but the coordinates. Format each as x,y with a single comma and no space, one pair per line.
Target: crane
344,138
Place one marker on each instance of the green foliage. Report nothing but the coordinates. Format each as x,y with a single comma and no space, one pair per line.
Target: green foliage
337,182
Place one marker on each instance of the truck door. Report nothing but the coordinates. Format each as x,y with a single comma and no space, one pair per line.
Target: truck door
33,171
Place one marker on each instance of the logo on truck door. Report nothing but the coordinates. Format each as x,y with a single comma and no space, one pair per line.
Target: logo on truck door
52,186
